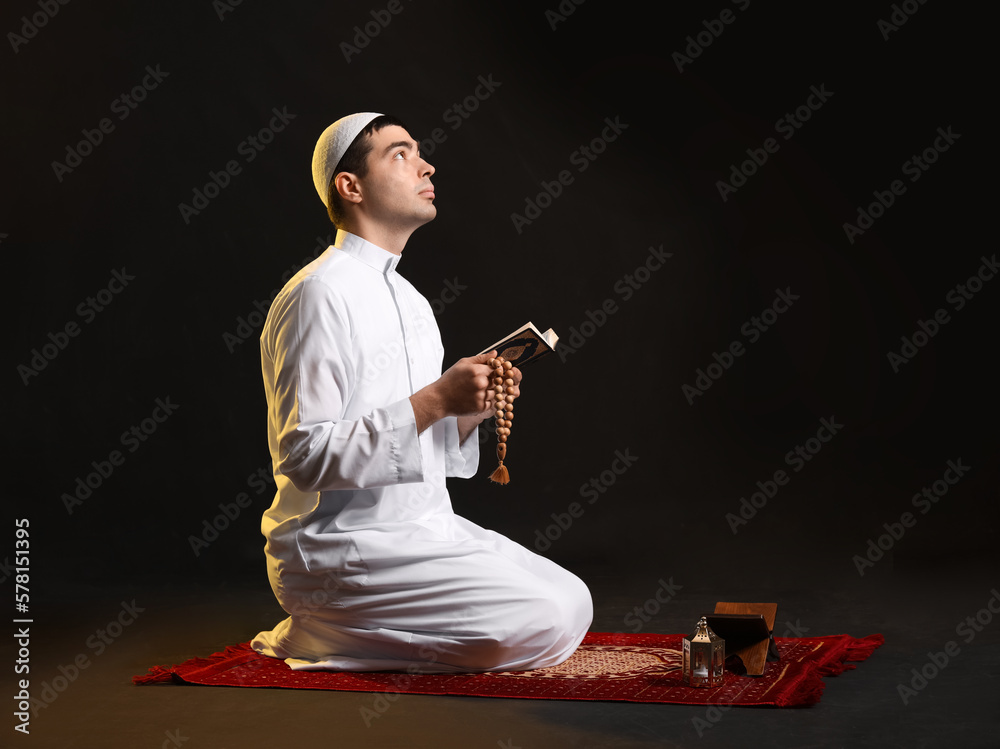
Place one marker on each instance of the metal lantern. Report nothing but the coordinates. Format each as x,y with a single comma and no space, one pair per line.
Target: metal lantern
704,657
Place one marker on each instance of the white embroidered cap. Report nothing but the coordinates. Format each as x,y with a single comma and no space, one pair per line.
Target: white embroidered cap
332,145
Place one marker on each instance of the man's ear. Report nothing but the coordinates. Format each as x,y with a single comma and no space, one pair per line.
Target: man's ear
348,186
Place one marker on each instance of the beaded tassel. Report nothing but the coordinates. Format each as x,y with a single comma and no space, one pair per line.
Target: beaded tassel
503,403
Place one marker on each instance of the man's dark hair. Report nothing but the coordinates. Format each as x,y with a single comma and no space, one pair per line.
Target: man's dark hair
355,161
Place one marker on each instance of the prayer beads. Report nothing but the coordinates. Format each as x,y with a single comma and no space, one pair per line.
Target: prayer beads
503,411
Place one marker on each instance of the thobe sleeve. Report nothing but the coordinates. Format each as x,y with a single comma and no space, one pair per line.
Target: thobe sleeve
461,459
309,342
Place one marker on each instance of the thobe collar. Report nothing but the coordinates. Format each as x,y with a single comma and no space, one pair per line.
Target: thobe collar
370,254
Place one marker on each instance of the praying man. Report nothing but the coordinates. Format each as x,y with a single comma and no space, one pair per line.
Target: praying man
364,551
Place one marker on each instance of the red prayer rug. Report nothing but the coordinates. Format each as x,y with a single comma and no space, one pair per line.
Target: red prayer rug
622,667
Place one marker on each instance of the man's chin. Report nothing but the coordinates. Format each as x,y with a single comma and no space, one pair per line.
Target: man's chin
419,218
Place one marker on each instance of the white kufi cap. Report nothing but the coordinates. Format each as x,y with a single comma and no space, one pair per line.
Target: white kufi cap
332,145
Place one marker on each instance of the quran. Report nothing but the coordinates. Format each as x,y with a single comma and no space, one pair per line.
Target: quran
524,345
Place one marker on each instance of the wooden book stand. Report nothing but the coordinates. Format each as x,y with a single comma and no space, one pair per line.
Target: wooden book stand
747,629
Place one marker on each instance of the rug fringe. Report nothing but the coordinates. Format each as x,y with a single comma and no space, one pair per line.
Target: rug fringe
835,668
156,675
159,674
858,649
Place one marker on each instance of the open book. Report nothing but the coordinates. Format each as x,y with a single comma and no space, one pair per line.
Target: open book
524,345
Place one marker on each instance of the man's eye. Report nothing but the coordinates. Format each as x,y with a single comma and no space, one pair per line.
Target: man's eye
398,154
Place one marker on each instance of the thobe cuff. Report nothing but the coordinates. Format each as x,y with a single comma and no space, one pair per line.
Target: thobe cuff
461,459
406,442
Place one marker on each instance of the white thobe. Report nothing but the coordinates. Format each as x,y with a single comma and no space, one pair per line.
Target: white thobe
364,551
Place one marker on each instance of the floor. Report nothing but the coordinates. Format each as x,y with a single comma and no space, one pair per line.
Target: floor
82,667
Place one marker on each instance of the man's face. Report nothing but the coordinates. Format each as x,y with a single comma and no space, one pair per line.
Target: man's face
397,190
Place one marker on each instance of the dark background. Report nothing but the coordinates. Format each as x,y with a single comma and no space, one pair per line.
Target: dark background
664,518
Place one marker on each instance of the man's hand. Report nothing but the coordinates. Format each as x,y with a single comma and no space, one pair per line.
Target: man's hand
467,424
464,390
